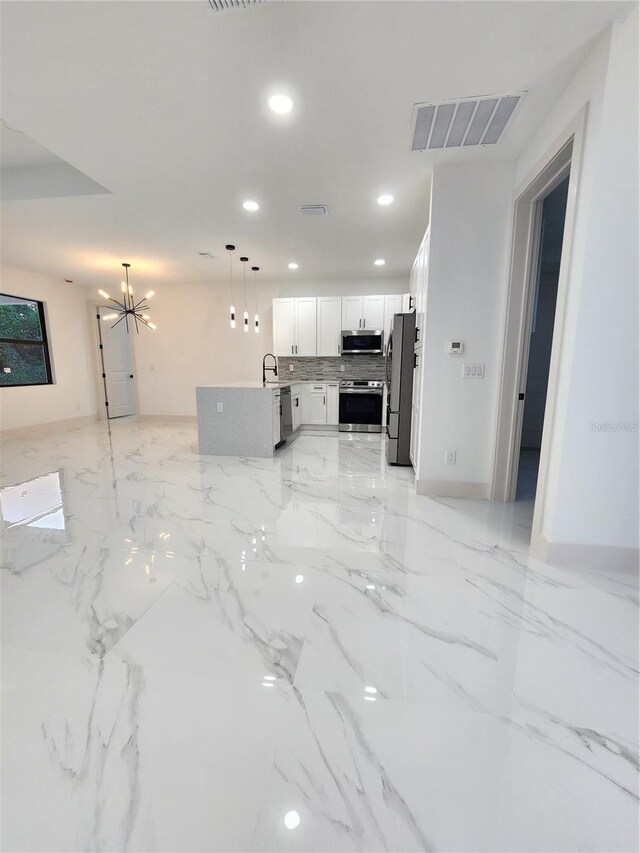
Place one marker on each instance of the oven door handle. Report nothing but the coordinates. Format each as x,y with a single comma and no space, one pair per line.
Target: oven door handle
374,393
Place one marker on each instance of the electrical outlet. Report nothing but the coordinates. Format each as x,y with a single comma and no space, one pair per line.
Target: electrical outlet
290,368
220,408
342,368
449,457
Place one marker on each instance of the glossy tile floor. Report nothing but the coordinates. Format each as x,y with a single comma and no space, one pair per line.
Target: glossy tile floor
298,654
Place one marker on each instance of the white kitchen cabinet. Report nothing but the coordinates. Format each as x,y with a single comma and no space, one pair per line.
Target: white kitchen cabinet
296,409
373,312
392,305
333,400
329,314
352,312
305,326
276,421
294,326
314,407
284,326
362,312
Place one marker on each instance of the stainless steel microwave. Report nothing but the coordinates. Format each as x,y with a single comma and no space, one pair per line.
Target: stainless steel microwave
362,341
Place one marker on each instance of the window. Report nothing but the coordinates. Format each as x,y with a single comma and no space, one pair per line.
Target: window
24,352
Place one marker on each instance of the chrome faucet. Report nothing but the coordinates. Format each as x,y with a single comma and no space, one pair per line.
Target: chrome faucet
273,369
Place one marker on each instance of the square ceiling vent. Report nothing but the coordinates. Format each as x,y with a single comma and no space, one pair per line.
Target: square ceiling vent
457,124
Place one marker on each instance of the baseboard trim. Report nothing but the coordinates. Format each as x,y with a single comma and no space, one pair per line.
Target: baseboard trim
40,429
453,489
187,419
602,558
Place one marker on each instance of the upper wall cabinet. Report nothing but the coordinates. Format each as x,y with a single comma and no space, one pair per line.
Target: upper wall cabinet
284,326
294,326
392,305
362,312
305,314
313,325
329,325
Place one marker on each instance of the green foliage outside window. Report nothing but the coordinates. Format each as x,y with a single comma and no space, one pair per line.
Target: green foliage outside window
23,346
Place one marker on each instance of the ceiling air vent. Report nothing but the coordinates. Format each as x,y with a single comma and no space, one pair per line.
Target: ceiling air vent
313,209
456,124
223,5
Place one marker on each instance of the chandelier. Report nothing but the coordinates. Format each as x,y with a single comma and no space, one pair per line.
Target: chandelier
126,307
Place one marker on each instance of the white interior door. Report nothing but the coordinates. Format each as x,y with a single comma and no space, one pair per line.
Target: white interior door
117,365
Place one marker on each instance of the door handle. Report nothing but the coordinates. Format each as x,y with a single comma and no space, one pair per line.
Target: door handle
131,376
415,359
417,334
324,401
291,349
364,323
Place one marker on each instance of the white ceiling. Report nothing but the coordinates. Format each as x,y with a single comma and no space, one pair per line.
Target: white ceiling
164,104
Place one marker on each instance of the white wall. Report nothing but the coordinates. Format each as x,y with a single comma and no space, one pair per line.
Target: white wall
194,344
470,216
73,394
592,492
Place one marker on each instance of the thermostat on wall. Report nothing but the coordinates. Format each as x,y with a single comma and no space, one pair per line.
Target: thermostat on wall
456,347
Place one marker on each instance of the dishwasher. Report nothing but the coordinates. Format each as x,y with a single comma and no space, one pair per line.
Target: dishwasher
286,418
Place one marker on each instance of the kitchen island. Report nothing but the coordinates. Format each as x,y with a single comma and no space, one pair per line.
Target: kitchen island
239,419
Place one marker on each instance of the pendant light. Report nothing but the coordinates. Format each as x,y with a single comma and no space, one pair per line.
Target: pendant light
245,323
126,307
232,309
256,319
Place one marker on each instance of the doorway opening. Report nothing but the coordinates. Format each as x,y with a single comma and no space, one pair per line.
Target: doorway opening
116,363
551,221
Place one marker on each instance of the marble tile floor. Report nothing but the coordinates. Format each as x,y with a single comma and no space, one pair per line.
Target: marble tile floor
228,654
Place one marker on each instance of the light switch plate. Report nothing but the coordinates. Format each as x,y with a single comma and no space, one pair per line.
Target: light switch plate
472,371
220,407
290,368
449,457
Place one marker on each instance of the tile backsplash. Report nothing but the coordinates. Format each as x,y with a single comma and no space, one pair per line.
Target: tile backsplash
365,366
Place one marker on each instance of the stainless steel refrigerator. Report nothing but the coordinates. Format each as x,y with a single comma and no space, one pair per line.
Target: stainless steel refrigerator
399,377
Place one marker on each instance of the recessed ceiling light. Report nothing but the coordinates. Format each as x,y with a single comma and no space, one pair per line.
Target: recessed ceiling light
280,104
379,262
251,206
385,198
293,265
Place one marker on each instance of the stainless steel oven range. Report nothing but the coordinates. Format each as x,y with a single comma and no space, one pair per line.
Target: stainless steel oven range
360,406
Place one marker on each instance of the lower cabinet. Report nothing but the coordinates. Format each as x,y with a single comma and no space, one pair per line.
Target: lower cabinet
333,416
296,409
315,403
276,420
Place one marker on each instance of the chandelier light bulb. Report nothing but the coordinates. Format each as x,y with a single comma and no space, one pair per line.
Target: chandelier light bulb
104,294
153,326
246,321
232,316
123,286
256,321
109,316
149,294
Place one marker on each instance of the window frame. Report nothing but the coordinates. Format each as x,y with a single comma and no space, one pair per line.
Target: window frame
44,343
